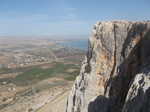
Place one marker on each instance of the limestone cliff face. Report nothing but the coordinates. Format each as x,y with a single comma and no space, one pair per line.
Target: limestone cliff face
115,75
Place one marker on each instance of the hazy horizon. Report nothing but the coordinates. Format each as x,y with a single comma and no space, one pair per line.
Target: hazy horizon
53,37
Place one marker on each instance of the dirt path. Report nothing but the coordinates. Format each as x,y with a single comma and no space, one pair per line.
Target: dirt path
57,104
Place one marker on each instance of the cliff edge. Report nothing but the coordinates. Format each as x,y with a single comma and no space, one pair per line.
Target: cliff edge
115,75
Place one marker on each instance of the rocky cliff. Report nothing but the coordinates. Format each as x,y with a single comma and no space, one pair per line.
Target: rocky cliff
115,75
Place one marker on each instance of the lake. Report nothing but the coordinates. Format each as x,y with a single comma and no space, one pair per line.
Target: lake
79,44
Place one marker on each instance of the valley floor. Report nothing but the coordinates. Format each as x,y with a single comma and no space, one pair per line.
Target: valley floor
50,99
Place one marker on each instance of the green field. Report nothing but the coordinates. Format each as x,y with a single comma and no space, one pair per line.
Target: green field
36,74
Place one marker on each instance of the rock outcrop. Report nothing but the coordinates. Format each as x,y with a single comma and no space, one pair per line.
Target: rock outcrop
115,75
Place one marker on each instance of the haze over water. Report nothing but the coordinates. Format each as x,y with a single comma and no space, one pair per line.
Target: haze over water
79,44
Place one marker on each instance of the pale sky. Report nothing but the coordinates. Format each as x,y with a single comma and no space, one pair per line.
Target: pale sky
65,17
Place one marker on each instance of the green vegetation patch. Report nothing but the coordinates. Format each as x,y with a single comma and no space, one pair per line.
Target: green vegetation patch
36,73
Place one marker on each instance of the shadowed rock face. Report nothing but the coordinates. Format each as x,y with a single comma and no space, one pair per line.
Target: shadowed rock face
115,75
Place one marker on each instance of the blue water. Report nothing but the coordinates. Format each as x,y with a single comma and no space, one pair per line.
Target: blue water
79,44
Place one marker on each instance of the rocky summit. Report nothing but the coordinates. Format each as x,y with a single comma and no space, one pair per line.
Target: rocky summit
115,75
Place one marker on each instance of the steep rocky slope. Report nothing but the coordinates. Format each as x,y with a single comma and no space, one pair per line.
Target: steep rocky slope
115,75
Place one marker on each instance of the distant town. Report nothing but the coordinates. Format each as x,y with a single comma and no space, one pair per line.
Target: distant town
22,53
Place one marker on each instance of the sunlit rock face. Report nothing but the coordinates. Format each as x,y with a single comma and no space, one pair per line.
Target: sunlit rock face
115,75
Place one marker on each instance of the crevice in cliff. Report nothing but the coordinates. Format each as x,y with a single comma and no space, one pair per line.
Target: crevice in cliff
74,99
89,56
114,65
67,104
